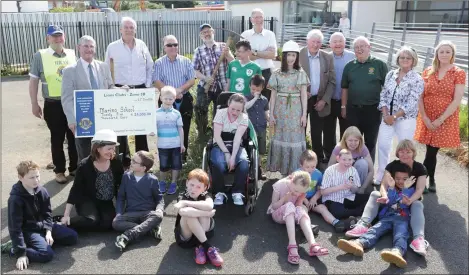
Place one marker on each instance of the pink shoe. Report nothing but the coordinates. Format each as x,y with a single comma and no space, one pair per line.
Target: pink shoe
200,257
419,246
214,256
357,230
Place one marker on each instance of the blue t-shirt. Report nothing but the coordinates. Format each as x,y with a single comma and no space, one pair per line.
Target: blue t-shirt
316,180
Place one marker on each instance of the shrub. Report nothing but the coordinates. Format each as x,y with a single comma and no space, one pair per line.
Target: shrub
463,123
62,9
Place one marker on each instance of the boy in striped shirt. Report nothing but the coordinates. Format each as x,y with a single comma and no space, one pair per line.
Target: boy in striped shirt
170,142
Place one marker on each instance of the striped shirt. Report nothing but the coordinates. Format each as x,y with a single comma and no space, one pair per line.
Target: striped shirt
173,73
206,58
332,177
168,122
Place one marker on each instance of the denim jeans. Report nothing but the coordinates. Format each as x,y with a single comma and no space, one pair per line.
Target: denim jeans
220,167
399,226
37,249
137,224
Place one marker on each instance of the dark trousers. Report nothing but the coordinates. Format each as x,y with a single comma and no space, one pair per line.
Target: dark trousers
140,140
367,118
137,224
430,160
348,208
202,104
322,132
266,74
336,113
93,216
37,249
83,147
186,109
58,127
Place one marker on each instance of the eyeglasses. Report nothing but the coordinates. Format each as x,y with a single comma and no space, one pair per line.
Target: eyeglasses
405,58
134,162
206,32
170,45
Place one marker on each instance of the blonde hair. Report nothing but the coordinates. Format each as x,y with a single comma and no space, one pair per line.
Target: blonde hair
25,166
308,155
406,144
168,90
352,131
301,177
409,51
436,61
344,152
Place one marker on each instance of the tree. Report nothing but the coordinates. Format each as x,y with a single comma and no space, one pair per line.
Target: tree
177,4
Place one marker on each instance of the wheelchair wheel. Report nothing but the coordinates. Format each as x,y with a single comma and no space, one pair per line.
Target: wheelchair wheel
250,204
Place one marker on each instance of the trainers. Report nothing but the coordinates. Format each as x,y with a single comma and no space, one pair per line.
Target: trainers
214,256
172,188
356,231
237,198
219,198
394,256
352,247
50,166
60,178
339,227
162,186
156,233
121,242
6,247
200,257
419,245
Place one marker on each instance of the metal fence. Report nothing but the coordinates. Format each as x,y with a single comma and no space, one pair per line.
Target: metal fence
20,40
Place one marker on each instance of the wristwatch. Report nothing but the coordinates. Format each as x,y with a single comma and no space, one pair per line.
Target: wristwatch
255,53
342,107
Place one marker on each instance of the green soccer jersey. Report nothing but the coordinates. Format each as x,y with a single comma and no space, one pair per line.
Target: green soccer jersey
240,76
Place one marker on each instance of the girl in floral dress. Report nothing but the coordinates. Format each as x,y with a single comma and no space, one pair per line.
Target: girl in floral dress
288,105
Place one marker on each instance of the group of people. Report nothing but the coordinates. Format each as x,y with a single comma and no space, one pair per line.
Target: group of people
371,104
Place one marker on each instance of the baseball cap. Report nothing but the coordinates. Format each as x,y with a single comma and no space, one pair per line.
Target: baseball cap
54,29
204,25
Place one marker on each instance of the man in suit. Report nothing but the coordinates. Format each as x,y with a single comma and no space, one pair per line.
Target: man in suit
86,74
319,66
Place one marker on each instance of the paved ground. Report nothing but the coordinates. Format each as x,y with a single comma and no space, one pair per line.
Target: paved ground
248,244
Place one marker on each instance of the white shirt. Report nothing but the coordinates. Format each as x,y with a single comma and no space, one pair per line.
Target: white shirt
332,177
260,42
315,72
131,66
344,26
87,72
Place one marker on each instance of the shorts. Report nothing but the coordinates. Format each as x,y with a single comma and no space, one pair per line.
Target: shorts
262,141
192,241
170,159
283,211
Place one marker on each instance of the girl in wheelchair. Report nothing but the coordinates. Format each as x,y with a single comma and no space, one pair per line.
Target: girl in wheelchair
227,154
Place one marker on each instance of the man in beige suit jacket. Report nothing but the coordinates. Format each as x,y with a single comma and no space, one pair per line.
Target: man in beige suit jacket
319,66
86,74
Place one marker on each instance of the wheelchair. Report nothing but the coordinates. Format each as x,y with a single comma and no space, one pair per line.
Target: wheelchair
251,192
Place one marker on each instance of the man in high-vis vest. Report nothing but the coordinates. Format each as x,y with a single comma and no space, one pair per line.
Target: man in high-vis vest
47,65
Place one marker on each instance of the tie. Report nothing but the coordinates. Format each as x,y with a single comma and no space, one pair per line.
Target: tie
93,83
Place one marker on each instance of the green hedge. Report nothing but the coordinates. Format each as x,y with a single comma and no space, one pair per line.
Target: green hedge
463,123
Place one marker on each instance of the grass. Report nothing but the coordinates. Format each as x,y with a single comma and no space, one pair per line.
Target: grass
461,153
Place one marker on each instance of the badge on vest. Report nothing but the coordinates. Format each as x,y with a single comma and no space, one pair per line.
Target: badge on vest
371,70
60,70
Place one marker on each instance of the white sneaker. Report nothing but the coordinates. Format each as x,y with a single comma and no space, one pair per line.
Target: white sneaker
237,198
219,198
376,183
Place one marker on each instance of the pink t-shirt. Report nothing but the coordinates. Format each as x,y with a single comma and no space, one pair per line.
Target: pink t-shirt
355,155
282,188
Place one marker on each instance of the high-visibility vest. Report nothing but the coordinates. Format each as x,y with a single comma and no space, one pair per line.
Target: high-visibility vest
53,67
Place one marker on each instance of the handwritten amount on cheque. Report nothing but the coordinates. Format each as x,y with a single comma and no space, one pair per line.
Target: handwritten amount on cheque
121,113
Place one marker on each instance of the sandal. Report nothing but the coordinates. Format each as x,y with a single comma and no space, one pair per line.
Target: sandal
293,259
317,250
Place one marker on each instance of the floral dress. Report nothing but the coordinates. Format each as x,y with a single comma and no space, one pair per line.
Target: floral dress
288,140
437,96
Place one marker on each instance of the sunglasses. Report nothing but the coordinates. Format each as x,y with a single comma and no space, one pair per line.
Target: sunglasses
170,45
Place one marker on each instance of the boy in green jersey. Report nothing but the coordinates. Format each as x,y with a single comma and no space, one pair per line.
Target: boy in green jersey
242,69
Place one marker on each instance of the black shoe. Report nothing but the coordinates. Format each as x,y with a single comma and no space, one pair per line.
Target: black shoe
57,218
73,173
340,227
351,221
432,187
315,229
121,242
156,233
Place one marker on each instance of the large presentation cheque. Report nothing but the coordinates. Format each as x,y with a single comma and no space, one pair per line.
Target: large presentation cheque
126,112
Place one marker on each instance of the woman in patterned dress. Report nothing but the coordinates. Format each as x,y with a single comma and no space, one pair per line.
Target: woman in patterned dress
288,105
399,105
96,183
438,119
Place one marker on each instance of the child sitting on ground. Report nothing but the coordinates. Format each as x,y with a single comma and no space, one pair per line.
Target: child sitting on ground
258,112
394,216
170,142
286,208
308,162
140,204
339,188
194,222
30,224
